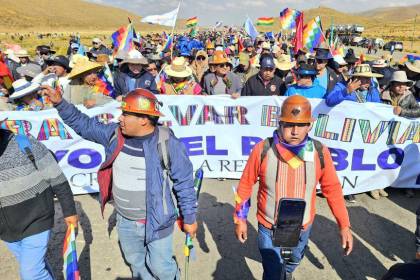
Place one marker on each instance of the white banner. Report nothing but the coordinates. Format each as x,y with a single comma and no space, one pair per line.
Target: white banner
371,147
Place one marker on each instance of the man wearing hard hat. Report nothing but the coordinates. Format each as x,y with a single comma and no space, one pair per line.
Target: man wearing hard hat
141,182
289,165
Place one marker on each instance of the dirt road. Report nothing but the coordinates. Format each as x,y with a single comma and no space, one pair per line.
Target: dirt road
383,233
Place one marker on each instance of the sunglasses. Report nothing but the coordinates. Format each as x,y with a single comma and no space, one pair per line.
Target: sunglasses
304,76
94,43
223,65
201,58
321,61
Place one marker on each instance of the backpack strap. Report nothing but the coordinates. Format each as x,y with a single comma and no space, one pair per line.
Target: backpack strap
165,161
268,142
319,148
26,148
163,147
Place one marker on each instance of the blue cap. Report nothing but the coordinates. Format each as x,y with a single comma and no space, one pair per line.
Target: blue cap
267,62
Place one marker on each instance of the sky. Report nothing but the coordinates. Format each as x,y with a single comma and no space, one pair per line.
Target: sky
233,12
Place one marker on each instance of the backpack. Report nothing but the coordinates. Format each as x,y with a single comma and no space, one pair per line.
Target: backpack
268,143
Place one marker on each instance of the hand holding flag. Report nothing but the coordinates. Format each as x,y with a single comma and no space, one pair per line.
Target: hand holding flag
71,268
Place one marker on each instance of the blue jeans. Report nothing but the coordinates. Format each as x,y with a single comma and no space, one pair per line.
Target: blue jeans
30,253
273,264
151,261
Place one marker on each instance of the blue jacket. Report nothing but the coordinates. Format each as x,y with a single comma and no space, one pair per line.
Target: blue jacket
159,223
339,94
314,91
142,80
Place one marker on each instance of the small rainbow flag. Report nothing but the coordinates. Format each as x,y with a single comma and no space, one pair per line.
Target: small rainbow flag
71,268
168,44
122,39
312,34
409,58
105,83
288,18
191,22
265,21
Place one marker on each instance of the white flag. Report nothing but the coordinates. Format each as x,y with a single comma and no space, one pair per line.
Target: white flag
168,19
218,24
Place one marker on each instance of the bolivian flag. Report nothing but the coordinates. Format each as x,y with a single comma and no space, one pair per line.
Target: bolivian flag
265,21
191,22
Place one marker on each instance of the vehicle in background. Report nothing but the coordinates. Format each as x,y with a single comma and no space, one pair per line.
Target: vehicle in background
356,40
357,29
379,42
398,46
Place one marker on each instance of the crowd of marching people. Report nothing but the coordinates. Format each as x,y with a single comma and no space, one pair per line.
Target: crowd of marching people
206,63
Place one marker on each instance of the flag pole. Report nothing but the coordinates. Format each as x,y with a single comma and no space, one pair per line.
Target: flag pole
173,30
323,35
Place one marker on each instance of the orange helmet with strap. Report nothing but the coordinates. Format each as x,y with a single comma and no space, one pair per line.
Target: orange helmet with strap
296,109
141,101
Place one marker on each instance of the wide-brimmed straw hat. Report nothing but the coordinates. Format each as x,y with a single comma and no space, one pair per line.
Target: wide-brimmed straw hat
284,63
178,68
22,53
379,63
413,66
135,57
340,60
364,70
401,77
83,66
22,88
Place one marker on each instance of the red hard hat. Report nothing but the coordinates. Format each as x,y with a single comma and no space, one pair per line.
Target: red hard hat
141,101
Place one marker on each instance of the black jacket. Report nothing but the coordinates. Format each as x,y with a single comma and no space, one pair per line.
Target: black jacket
27,205
408,103
255,87
143,80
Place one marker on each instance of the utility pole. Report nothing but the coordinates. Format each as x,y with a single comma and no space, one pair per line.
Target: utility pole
414,32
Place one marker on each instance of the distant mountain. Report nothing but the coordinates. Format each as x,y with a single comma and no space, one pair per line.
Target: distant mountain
392,13
62,15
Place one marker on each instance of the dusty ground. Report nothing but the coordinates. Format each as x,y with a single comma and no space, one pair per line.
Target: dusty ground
383,233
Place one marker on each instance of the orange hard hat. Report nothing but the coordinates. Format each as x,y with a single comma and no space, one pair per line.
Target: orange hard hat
220,57
141,101
209,46
296,109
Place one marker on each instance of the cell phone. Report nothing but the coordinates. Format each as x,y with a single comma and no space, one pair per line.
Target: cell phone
288,226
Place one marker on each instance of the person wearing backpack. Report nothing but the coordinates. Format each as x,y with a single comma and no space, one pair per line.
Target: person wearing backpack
29,179
289,165
147,173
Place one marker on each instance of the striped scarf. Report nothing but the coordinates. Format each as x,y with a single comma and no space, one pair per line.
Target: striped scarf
295,157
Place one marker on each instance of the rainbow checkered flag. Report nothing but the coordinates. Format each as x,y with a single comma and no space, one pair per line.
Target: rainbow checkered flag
70,266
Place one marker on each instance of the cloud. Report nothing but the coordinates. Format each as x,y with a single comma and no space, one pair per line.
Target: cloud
235,11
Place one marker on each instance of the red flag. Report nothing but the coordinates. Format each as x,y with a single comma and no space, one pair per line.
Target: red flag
240,44
361,59
298,40
6,78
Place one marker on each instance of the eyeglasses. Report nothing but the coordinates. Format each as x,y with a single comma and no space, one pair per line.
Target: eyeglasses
152,69
201,58
223,65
